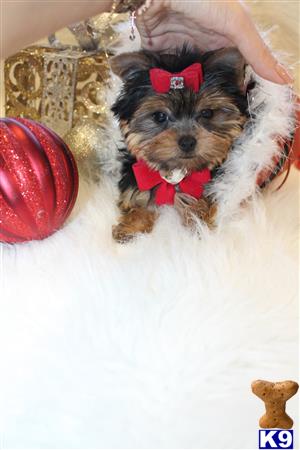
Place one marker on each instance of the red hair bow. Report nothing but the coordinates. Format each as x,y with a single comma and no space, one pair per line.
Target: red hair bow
191,77
147,179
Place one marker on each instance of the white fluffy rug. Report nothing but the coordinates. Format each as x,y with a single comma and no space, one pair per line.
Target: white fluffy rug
152,344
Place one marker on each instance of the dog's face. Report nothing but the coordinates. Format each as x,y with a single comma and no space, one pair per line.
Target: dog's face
182,129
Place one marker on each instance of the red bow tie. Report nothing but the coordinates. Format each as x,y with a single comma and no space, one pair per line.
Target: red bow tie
191,77
147,179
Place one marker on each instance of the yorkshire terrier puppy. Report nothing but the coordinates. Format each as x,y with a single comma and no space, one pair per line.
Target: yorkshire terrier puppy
179,115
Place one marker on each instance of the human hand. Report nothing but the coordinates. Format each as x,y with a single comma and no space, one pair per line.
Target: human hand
208,25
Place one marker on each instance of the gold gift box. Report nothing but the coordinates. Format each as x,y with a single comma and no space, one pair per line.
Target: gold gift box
56,86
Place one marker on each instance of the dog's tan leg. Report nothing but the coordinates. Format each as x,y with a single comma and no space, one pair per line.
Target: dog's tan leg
137,220
136,216
189,208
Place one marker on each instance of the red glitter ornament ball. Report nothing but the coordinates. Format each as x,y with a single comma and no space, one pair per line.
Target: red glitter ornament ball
38,181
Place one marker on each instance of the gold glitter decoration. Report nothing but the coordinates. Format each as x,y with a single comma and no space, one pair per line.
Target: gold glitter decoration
56,87
83,139
60,85
23,77
101,28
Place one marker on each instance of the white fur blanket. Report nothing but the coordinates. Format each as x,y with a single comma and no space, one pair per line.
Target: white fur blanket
154,344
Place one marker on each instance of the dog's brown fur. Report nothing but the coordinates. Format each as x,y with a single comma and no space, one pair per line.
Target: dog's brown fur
158,143
136,220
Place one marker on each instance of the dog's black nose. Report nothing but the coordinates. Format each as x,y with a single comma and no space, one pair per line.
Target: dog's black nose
187,143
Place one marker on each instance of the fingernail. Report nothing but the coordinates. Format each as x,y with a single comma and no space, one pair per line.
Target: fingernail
284,74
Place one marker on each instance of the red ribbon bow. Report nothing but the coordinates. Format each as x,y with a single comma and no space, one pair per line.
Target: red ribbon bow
191,77
147,179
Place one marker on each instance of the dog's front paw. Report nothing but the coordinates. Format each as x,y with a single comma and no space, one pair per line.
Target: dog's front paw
204,211
191,210
211,216
133,222
121,234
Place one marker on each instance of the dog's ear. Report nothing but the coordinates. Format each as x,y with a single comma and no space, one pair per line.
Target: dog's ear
225,61
127,64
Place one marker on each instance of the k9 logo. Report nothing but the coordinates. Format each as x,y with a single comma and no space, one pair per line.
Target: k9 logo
275,439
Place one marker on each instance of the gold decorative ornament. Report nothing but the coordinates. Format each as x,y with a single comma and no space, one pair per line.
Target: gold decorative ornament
59,85
83,138
87,140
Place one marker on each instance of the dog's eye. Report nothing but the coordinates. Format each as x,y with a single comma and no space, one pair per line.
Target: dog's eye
206,113
160,117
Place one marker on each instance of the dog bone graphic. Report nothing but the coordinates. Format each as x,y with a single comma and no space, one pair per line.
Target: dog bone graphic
275,396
